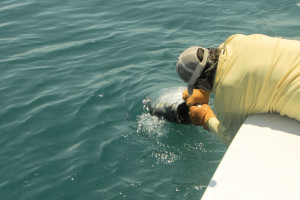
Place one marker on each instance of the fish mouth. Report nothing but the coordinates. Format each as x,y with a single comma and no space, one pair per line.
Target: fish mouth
172,112
183,113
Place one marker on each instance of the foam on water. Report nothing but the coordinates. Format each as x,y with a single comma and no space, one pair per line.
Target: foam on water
150,125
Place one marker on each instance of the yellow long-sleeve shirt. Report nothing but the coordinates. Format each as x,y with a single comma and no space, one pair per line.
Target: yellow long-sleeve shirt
255,74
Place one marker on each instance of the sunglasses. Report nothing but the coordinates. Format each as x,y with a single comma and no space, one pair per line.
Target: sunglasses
203,82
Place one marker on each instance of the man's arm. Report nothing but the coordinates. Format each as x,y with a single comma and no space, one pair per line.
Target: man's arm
204,116
215,128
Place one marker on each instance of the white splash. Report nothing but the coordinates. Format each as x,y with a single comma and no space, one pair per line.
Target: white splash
150,125
170,96
165,157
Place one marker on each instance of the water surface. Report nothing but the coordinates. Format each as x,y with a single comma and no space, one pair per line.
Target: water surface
75,77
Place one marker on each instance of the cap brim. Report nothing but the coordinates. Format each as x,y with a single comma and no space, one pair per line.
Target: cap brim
190,89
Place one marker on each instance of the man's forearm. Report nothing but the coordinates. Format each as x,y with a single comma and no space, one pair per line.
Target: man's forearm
215,127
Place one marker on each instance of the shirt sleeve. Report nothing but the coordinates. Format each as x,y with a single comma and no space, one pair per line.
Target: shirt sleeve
226,131
215,128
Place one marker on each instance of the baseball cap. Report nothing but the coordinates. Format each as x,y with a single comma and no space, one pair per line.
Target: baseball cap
189,67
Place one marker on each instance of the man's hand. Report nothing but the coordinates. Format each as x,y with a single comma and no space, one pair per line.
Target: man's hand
198,97
199,116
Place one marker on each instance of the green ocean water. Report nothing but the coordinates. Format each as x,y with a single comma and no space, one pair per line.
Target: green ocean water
74,82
